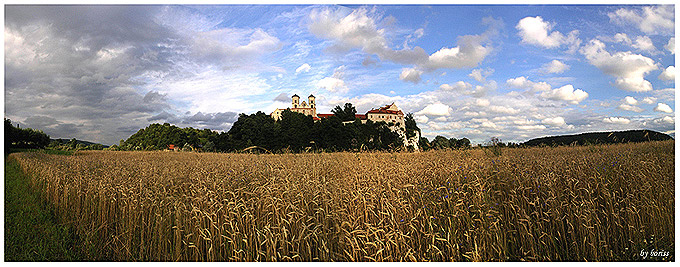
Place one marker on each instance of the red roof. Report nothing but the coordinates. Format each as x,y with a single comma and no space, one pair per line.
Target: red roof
360,116
325,115
384,110
316,119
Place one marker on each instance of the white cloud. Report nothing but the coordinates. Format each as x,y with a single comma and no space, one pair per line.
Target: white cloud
616,120
554,66
410,75
566,93
233,45
535,31
437,109
334,83
630,100
630,108
661,107
503,110
468,54
482,102
458,86
480,75
557,121
667,119
668,74
303,68
651,19
670,46
421,119
359,29
644,43
531,127
524,83
622,38
488,124
649,100
628,68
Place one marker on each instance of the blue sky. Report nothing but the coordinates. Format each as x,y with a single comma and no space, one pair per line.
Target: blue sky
100,73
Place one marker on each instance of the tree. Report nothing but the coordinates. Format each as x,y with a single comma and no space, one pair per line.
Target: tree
411,126
296,129
424,144
440,142
346,114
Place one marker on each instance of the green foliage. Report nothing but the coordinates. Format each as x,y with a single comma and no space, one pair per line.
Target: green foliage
32,229
159,136
495,146
599,138
348,113
16,137
411,126
72,145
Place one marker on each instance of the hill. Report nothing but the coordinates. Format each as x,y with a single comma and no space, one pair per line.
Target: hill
600,138
63,141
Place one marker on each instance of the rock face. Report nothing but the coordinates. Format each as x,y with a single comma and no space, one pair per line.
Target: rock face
408,142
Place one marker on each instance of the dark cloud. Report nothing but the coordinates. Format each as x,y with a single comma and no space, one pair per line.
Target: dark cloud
215,121
282,97
82,63
53,127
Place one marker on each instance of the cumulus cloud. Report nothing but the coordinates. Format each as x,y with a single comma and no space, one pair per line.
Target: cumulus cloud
410,75
535,31
556,121
630,108
616,120
649,19
661,107
670,46
334,83
628,68
359,29
303,68
554,66
524,83
668,74
458,86
649,100
644,43
437,109
566,93
630,100
481,74
282,97
233,47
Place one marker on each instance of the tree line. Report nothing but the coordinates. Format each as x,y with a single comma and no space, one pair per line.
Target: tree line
294,132
16,137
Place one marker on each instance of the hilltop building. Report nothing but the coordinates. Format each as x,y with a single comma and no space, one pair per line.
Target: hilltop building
390,113
304,107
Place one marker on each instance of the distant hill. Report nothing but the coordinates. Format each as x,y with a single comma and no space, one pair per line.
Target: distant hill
85,143
600,138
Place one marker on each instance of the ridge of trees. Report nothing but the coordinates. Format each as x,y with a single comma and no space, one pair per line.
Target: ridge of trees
599,138
294,132
16,137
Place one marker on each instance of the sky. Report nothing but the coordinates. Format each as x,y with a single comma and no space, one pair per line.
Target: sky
516,72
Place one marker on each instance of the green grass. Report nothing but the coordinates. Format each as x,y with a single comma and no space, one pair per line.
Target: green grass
32,229
46,151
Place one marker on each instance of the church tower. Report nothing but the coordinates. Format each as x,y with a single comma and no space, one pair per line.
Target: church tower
296,101
312,104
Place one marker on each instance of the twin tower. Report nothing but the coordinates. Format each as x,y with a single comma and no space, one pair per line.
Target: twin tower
304,107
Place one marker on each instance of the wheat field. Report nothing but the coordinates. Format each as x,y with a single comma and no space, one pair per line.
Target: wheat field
590,203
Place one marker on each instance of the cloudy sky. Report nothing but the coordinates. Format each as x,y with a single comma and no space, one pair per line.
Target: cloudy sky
100,73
